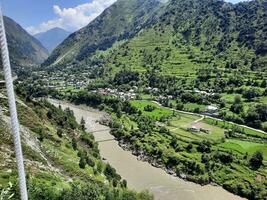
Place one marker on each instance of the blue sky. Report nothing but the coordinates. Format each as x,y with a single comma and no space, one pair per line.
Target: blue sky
41,15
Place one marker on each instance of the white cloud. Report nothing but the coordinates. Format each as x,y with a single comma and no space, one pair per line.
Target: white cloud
72,19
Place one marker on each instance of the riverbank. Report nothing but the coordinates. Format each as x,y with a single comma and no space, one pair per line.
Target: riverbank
142,156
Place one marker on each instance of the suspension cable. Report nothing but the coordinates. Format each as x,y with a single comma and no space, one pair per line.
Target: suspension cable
12,109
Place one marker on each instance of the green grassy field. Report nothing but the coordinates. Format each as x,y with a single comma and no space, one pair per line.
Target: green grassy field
156,113
227,125
245,147
178,124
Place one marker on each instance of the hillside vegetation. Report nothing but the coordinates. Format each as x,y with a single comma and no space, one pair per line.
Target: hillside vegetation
185,83
210,27
62,160
118,22
24,49
229,155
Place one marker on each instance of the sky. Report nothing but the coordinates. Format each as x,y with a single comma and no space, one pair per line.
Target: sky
41,15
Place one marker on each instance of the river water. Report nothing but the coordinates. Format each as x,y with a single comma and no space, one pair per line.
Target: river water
141,175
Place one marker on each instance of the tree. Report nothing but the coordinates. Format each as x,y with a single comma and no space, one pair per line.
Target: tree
179,105
205,158
256,160
74,144
204,146
41,134
251,94
83,123
82,162
90,161
237,106
110,172
264,84
149,108
124,183
237,99
189,147
60,132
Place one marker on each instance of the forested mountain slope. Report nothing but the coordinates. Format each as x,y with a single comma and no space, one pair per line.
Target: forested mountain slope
190,35
222,32
24,49
120,21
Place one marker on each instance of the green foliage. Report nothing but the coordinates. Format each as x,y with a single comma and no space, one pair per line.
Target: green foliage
126,77
204,147
74,144
83,123
117,23
24,49
256,160
82,162
149,108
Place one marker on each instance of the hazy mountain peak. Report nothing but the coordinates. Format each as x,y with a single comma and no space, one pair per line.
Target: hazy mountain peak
52,38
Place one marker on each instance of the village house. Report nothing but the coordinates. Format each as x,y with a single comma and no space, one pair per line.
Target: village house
212,109
193,129
204,93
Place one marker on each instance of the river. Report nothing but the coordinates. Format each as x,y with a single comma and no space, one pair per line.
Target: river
141,175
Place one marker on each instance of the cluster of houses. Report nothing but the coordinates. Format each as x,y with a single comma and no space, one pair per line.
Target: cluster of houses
151,90
123,95
61,80
204,93
160,98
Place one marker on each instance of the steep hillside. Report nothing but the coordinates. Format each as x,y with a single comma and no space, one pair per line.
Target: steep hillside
24,49
120,21
52,38
62,160
192,34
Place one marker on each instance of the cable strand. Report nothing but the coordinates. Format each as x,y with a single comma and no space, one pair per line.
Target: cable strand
12,109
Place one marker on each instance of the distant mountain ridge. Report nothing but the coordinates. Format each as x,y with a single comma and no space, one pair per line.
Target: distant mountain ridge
52,38
24,49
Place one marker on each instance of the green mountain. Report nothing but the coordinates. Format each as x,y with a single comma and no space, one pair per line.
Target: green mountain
24,49
120,21
187,32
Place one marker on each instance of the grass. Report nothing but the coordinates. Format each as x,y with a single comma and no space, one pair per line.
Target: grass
192,106
227,125
156,113
245,147
183,120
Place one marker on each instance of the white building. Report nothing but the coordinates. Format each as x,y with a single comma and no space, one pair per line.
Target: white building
211,109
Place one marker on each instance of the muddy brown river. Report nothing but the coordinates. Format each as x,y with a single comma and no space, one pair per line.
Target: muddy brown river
141,175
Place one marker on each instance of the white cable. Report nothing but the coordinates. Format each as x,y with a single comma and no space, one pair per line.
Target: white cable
12,109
